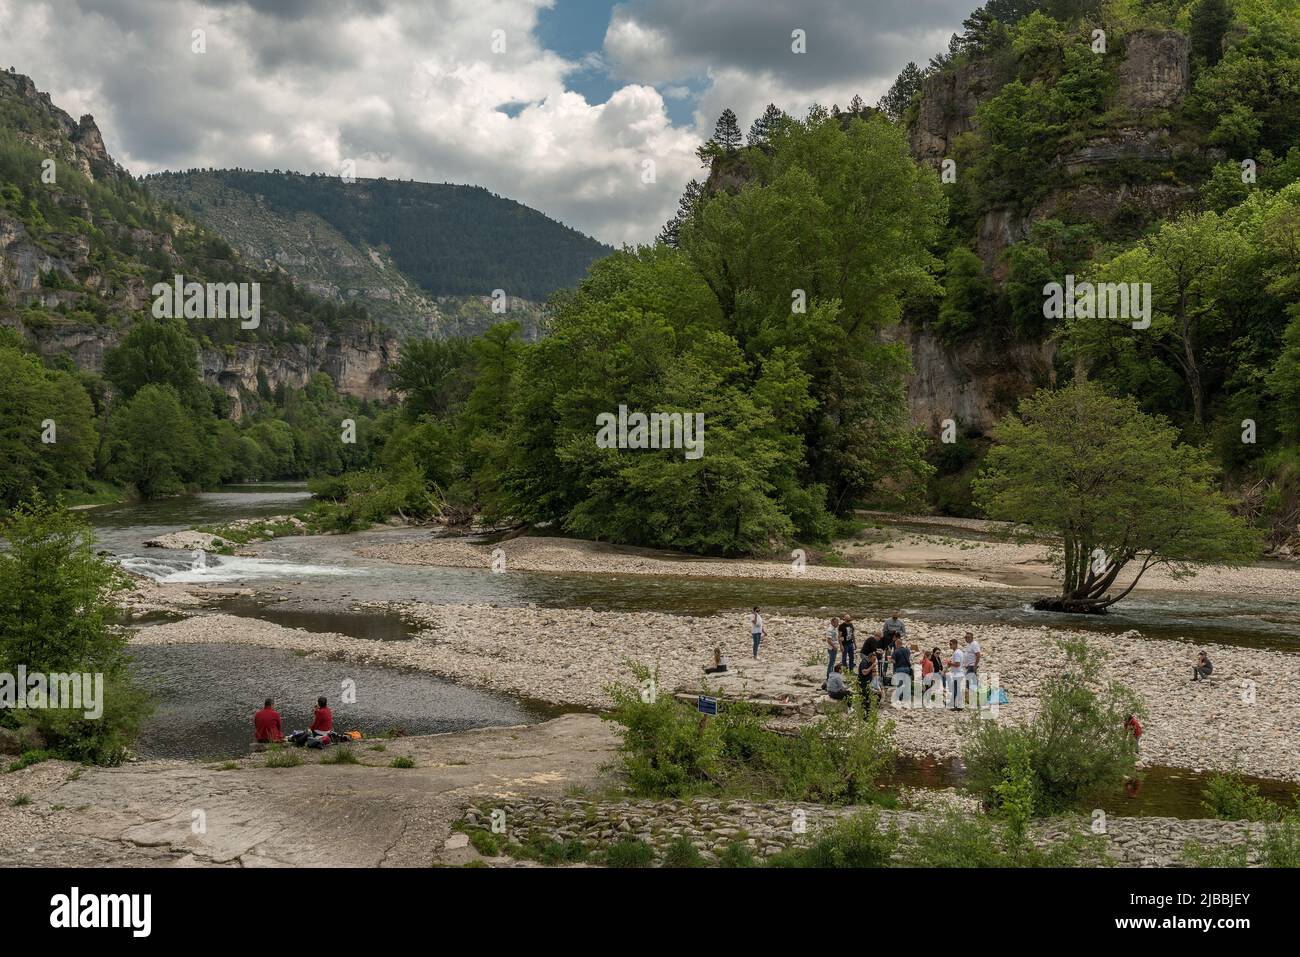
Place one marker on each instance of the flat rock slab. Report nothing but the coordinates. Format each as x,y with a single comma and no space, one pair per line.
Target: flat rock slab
174,813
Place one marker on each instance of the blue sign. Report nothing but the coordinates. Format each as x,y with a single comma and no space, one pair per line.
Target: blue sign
707,705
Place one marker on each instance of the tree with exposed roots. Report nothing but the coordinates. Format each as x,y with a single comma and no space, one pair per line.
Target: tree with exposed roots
1115,491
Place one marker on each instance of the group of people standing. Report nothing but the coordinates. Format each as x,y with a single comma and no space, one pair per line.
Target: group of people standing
886,655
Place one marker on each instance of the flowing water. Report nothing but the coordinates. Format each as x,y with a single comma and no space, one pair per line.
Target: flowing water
207,693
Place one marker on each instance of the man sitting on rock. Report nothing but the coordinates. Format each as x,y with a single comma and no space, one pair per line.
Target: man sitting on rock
266,724
835,686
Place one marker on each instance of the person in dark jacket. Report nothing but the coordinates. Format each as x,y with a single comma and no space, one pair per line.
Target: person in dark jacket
1203,667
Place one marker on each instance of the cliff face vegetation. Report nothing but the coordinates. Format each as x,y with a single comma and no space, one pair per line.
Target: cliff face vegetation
1152,144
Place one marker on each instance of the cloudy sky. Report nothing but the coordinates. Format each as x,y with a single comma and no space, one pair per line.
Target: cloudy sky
557,110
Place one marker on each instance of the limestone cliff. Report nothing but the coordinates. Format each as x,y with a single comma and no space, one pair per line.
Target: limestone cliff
979,381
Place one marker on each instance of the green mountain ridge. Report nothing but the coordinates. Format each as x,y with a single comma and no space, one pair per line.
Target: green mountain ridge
422,257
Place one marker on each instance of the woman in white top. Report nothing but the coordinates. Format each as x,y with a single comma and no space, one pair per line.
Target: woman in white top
756,629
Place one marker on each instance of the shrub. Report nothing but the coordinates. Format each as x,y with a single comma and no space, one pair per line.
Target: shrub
669,750
57,615
855,841
682,853
28,758
1228,797
629,852
401,762
1074,751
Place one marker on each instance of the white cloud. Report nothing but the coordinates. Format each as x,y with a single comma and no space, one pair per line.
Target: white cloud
412,88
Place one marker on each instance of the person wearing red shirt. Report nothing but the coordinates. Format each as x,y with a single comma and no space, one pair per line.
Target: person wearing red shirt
266,724
322,719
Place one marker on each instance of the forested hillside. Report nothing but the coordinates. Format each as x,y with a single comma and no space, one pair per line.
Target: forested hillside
1107,141
404,239
95,390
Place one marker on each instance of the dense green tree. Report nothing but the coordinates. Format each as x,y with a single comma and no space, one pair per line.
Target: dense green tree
899,96
434,374
58,616
969,298
1210,21
686,208
727,131
35,404
765,127
158,352
152,443
1194,266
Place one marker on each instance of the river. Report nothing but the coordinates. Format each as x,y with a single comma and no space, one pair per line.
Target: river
206,693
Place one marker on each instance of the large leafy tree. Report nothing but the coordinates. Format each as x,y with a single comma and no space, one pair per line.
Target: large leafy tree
158,352
838,219
30,397
1115,487
152,443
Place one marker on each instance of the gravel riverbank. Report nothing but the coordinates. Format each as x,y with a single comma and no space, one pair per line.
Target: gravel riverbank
1243,719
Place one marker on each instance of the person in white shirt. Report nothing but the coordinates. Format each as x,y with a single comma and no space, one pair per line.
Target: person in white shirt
972,654
756,630
956,675
832,647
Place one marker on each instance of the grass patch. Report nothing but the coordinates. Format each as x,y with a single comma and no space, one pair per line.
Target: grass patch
682,853
737,854
402,762
485,842
28,758
340,756
549,851
630,852
21,800
282,758
379,747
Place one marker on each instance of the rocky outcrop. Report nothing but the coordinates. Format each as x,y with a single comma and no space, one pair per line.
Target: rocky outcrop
358,365
946,108
975,383
77,143
1155,73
